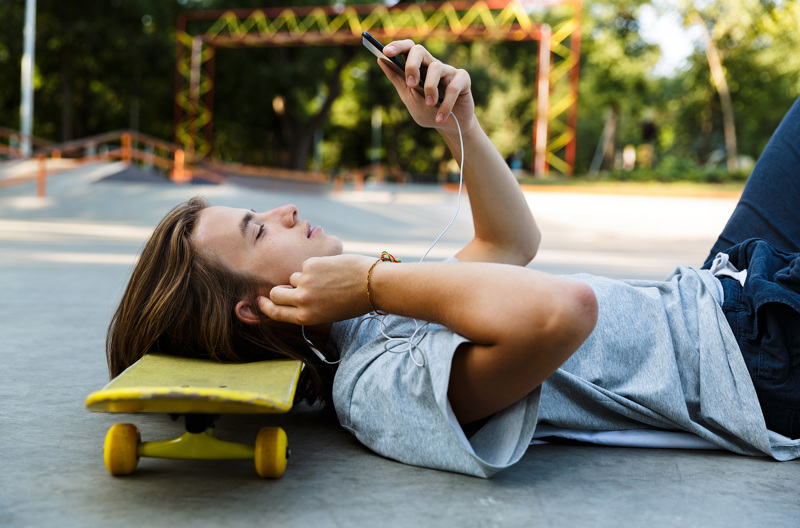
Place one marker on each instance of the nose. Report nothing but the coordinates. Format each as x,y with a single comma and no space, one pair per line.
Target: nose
286,214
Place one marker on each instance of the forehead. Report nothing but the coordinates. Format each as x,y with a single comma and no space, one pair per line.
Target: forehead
219,228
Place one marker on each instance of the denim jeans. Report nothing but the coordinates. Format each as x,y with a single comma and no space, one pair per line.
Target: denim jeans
763,236
765,318
770,204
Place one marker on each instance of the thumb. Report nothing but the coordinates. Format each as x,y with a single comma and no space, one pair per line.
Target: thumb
265,306
286,314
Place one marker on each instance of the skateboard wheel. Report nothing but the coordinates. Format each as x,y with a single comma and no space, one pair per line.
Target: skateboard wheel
120,451
272,452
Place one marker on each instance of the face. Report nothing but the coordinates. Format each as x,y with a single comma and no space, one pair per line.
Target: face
272,245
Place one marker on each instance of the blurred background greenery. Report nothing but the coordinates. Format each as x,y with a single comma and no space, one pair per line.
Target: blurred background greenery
108,64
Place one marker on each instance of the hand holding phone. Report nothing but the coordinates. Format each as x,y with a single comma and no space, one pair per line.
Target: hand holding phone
377,49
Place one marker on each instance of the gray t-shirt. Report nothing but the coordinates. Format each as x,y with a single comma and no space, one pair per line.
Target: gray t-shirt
661,356
399,409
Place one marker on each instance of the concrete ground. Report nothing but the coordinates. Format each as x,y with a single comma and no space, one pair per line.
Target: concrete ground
64,261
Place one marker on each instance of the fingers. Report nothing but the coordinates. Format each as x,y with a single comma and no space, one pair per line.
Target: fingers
410,96
284,296
437,77
433,76
325,291
417,58
460,84
281,305
276,312
286,305
398,47
414,69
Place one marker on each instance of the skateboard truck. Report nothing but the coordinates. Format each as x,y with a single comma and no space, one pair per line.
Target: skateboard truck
123,447
197,423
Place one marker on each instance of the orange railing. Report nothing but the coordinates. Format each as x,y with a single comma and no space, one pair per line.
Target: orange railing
123,145
275,173
379,173
129,146
10,140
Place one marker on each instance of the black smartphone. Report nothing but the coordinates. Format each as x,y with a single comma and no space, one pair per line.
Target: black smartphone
377,49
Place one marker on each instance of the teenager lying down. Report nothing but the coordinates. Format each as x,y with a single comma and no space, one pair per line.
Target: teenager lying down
451,365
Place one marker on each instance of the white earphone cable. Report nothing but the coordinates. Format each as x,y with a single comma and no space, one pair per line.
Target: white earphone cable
394,344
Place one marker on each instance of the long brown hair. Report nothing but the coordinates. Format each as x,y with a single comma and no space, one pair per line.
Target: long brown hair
181,301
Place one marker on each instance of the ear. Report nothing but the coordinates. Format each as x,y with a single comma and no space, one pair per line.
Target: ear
245,313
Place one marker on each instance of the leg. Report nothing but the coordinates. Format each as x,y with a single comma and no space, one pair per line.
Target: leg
770,204
769,209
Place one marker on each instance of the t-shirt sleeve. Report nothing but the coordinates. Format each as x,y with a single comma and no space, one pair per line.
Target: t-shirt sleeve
400,410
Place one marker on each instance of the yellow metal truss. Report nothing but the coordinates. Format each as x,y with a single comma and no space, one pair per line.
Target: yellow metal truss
419,19
343,25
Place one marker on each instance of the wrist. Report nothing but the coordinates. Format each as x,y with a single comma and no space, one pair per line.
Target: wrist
468,128
384,257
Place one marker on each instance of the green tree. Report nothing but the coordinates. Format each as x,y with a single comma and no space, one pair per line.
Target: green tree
99,66
110,64
271,102
616,81
759,69
730,23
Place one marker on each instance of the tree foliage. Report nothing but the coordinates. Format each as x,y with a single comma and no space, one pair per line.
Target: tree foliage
110,64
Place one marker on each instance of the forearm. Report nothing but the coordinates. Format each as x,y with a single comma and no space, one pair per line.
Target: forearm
505,231
504,225
522,324
488,303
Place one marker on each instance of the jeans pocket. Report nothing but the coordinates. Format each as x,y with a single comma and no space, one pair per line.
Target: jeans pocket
778,341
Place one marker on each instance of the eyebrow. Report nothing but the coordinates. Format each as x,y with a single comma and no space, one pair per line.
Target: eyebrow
248,217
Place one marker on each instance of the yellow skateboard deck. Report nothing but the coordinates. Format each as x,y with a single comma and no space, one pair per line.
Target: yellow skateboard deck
199,389
169,384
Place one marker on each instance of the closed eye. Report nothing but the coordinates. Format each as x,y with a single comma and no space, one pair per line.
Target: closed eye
260,231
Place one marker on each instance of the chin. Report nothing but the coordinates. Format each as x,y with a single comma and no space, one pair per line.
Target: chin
337,246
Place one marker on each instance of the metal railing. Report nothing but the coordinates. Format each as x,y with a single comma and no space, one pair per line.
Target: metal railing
130,146
11,141
123,145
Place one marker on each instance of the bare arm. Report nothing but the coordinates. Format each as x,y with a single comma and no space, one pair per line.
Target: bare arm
523,324
505,230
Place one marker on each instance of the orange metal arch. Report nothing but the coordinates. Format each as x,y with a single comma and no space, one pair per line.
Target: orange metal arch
492,20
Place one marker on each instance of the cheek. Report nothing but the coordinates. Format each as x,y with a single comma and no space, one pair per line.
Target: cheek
283,260
279,270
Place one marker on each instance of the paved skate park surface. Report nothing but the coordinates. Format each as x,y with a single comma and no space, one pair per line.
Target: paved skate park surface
65,259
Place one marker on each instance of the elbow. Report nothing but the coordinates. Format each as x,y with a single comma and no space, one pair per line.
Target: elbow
562,319
577,321
574,320
585,309
545,339
533,244
529,247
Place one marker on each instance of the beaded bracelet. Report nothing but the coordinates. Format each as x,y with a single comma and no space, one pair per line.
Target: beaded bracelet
385,257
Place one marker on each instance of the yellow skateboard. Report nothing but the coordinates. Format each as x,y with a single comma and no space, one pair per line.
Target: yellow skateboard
200,390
